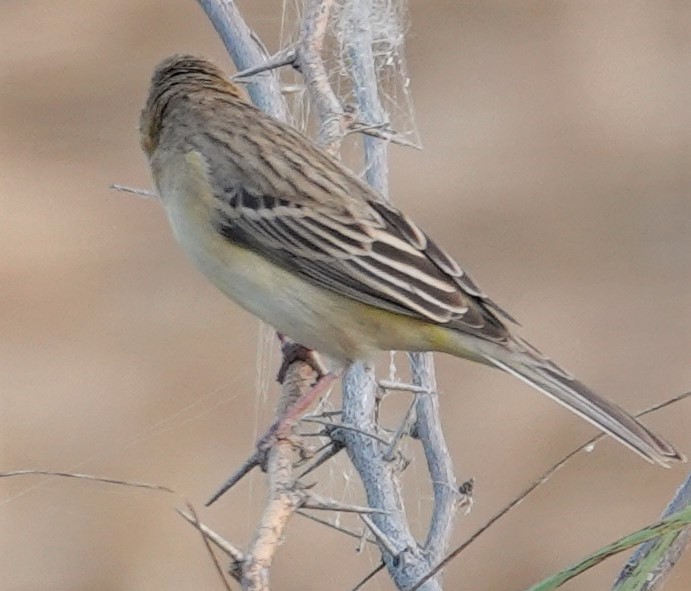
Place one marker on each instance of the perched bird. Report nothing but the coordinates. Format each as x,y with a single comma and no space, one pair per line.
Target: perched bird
297,239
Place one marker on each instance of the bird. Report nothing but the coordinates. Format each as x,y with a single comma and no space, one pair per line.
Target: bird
296,238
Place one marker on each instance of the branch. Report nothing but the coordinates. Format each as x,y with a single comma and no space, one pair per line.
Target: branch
362,71
406,561
428,424
284,496
143,193
439,464
247,51
311,64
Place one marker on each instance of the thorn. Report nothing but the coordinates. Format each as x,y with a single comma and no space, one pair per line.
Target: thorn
256,459
381,131
403,387
380,537
284,57
319,503
145,193
332,450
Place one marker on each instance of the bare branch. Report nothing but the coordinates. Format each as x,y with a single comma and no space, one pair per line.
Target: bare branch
402,387
379,479
284,497
403,430
247,51
319,503
332,450
362,70
368,577
331,426
145,193
80,476
310,62
380,537
382,132
208,537
349,532
439,464
255,460
285,57
221,543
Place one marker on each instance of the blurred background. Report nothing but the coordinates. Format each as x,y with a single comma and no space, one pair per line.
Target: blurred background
556,167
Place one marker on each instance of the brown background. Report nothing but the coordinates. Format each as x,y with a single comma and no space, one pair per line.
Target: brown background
556,167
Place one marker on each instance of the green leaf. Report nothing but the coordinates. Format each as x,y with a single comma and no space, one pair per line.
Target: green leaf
666,530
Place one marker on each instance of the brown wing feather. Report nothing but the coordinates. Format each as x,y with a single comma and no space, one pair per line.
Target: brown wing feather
388,263
282,196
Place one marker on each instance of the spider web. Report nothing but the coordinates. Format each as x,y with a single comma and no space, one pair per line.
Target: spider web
389,22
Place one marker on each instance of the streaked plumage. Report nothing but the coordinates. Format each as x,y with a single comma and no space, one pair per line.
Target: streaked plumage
297,239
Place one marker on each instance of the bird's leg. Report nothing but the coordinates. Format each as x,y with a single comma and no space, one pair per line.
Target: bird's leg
284,424
293,352
282,427
294,409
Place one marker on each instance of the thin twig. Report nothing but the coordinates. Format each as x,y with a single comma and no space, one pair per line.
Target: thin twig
221,543
403,387
254,461
336,426
534,486
145,193
319,503
207,534
285,57
369,576
339,528
382,132
333,449
80,476
380,536
403,429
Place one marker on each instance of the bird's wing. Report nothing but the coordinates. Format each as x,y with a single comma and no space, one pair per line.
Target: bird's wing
382,259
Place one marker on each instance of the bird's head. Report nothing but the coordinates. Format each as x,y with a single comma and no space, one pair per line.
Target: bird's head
179,76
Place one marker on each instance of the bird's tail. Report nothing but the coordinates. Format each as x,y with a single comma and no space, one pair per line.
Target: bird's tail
527,364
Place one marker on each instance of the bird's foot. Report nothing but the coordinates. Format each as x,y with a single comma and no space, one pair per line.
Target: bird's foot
293,352
280,430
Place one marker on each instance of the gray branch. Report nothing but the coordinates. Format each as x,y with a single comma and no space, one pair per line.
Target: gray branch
246,50
408,564
406,560
428,426
311,64
439,464
359,42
